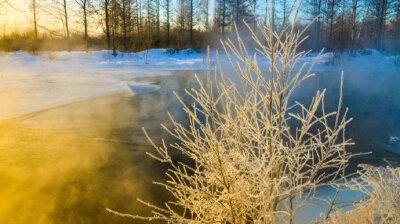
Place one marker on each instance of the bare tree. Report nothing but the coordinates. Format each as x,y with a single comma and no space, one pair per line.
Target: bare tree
138,16
285,12
84,6
66,18
353,25
241,12
57,9
34,6
181,20
126,22
342,31
158,17
114,26
224,16
191,23
331,18
149,10
168,18
339,24
382,9
314,9
222,13
397,35
246,163
205,13
107,22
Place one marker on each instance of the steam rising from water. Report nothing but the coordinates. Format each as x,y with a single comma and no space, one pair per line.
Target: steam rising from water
67,164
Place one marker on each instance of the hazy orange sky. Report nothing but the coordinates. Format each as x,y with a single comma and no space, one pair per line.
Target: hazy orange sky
15,15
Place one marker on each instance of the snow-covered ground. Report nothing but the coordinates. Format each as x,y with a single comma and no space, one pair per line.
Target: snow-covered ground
29,83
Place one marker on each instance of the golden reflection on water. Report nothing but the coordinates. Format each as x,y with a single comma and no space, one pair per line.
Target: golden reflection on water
66,165
38,167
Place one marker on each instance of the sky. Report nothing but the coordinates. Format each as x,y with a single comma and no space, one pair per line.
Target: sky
14,15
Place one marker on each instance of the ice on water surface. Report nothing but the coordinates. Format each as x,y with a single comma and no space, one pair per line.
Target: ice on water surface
394,145
137,88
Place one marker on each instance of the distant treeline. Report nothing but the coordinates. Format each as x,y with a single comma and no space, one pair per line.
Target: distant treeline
134,25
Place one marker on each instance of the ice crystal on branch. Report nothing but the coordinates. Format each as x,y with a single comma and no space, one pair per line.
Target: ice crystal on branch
247,164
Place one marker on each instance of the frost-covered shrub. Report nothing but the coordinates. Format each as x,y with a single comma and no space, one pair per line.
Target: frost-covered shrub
247,163
361,215
382,202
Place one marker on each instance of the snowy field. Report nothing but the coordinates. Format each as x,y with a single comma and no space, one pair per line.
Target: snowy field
31,83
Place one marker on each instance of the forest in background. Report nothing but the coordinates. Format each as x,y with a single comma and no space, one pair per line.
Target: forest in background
135,25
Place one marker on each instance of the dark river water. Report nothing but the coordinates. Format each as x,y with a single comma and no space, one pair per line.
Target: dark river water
68,164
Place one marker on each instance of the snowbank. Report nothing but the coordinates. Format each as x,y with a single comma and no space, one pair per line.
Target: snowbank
29,83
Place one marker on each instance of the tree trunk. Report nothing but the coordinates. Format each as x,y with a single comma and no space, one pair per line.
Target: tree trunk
107,18
182,22
353,26
318,27
124,26
168,25
397,35
284,13
342,26
223,16
85,21
140,18
66,18
381,24
207,15
34,19
66,24
158,18
398,26
191,23
114,26
148,18
332,13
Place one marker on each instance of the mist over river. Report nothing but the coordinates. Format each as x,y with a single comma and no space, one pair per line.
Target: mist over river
67,164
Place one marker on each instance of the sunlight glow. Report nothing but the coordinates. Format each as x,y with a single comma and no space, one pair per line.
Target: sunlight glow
13,16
